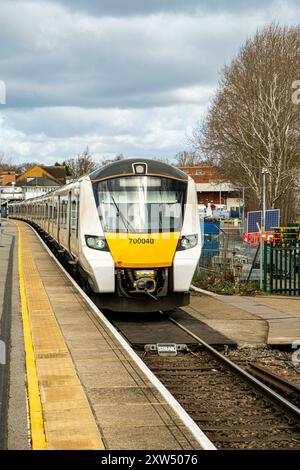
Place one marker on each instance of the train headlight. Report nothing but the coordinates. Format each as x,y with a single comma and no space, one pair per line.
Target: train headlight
187,242
96,243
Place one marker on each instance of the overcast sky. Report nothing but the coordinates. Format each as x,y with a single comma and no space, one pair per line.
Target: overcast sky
122,76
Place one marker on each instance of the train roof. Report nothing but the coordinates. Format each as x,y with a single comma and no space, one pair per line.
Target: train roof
126,167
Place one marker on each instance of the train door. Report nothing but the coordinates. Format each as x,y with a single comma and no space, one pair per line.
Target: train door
46,216
74,223
51,215
58,217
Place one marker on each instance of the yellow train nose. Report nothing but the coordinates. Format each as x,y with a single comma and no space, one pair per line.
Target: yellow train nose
134,250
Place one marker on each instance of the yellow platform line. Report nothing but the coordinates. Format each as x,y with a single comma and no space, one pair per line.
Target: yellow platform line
60,412
35,406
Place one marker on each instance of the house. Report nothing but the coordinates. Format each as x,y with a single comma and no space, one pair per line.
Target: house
8,190
41,179
212,190
7,178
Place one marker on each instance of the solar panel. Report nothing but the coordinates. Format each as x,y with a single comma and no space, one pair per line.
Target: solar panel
253,218
272,219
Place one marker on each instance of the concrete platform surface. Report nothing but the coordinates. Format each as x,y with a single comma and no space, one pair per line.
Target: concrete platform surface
13,413
92,393
270,320
232,322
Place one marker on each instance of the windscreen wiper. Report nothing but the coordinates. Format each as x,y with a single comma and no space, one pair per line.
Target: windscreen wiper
126,222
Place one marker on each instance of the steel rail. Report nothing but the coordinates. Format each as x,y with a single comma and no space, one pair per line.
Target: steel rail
278,382
274,396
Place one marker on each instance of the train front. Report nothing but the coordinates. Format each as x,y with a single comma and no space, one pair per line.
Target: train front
148,215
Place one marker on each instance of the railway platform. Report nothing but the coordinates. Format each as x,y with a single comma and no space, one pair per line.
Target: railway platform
85,389
271,320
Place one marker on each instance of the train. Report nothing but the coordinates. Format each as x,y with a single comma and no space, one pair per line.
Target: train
130,229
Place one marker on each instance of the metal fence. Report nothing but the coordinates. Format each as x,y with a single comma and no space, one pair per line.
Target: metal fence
281,267
226,254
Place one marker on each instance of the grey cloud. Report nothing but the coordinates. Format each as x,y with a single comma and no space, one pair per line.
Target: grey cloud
107,132
146,7
67,61
122,76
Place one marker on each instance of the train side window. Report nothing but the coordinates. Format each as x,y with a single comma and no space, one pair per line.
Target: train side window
61,218
63,213
66,213
74,215
55,213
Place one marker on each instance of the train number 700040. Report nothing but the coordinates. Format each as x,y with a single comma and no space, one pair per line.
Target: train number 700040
141,241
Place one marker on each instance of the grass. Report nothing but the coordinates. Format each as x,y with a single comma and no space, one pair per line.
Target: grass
225,285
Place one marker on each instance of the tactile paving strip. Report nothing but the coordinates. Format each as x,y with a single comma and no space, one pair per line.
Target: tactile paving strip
68,420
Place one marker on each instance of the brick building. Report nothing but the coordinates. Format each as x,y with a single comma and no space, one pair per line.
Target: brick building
210,188
7,178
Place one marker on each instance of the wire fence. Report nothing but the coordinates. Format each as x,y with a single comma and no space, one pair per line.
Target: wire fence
225,254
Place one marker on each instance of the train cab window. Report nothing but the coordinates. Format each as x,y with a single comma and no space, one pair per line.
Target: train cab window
141,204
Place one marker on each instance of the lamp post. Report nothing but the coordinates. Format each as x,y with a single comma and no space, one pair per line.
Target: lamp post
264,173
243,222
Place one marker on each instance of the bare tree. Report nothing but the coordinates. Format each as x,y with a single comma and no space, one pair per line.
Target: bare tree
186,158
162,160
81,165
117,158
6,163
26,166
253,122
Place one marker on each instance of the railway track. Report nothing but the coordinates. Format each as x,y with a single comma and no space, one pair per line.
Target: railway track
233,408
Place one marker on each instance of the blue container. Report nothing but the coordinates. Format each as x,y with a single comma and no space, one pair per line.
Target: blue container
211,227
211,238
